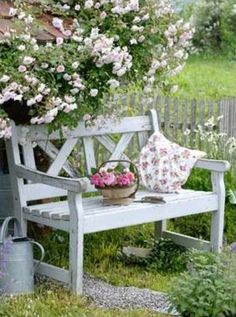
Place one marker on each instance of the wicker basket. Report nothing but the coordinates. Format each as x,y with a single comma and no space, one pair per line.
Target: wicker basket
120,195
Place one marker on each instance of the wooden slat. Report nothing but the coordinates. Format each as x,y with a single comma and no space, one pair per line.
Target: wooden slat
52,152
89,154
184,121
193,121
107,142
186,241
122,217
142,139
121,146
78,185
125,125
167,117
61,157
176,120
53,272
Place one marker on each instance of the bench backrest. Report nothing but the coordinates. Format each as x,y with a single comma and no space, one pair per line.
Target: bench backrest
58,148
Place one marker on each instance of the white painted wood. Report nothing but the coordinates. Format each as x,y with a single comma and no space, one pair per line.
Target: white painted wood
217,223
144,213
107,142
76,242
89,154
54,223
188,202
142,139
28,154
154,120
121,146
125,125
76,185
53,272
159,228
19,200
52,152
187,241
41,191
61,157
213,165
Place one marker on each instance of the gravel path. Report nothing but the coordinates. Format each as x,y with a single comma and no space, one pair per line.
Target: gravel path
108,296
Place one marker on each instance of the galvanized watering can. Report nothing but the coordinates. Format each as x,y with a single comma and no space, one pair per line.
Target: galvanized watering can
16,260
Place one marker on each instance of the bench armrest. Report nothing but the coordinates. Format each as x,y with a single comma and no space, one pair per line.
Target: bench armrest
213,165
73,185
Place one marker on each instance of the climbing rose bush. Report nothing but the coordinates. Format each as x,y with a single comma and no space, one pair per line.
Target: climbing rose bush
107,44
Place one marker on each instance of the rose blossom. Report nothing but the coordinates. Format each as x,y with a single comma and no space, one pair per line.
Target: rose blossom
97,180
109,179
123,180
88,4
59,41
4,78
75,65
60,68
28,60
93,92
22,68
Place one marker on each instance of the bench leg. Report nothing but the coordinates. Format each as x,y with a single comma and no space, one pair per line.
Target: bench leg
76,261
76,242
217,222
159,228
217,229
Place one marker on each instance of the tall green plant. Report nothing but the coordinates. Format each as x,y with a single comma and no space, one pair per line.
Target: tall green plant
208,289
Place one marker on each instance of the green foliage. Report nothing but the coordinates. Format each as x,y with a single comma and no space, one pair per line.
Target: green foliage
165,256
208,289
215,25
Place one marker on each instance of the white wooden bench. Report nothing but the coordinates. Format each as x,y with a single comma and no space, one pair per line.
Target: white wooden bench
80,216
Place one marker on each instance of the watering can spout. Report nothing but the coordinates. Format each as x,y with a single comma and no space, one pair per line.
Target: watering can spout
16,260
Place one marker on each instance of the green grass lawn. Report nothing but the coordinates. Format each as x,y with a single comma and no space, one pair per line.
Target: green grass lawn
207,77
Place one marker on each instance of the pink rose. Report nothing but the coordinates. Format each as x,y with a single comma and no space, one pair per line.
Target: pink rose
59,41
97,180
123,180
60,68
130,176
109,179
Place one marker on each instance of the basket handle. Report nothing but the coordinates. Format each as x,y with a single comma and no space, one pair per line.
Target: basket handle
130,163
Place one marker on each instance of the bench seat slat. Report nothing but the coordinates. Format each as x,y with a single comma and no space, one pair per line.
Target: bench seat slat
99,217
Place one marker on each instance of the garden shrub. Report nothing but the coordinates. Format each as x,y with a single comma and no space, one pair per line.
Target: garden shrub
208,289
215,25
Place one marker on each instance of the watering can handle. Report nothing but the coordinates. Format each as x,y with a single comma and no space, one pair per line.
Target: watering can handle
4,228
36,266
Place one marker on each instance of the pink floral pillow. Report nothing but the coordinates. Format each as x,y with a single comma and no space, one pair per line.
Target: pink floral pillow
165,166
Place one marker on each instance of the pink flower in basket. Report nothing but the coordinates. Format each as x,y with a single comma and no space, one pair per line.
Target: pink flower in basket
123,180
109,179
113,177
97,180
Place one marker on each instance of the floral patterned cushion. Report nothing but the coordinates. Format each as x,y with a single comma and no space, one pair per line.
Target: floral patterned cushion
165,166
